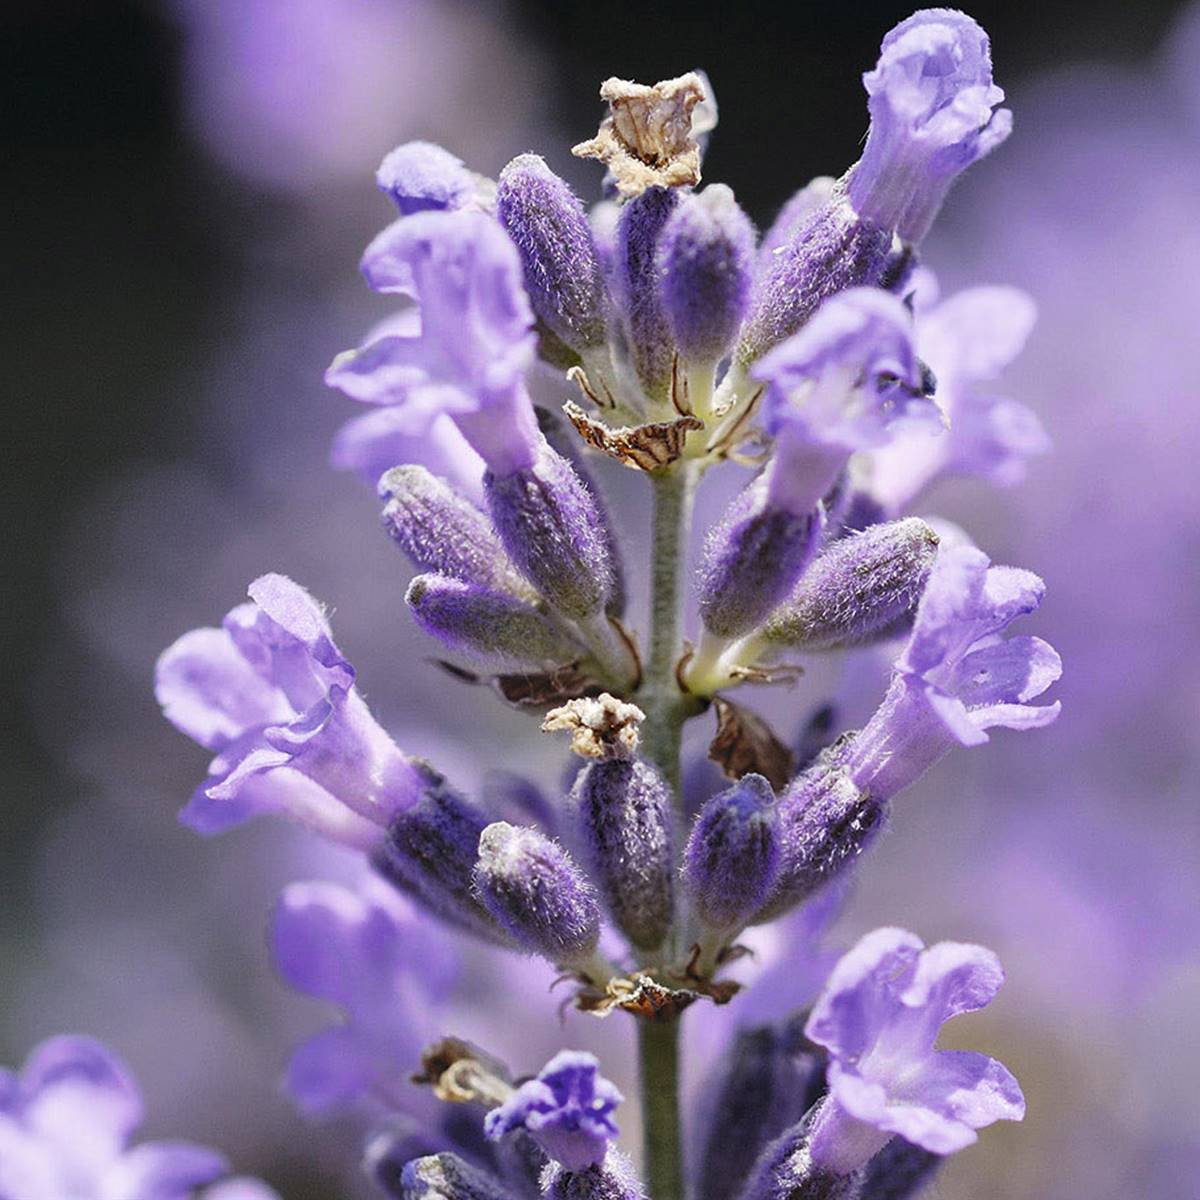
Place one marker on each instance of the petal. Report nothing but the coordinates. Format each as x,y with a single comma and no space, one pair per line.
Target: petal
1015,670
29,1166
328,1071
944,620
422,175
976,333
381,372
209,691
1009,593
862,994
163,1171
384,270
953,978
1016,716
956,719
241,1188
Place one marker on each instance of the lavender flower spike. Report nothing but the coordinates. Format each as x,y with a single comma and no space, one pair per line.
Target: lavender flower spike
534,889
65,1123
475,342
932,103
271,693
957,677
879,1017
567,1110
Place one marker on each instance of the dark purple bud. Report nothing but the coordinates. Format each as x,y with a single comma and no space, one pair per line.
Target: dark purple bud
899,1171
533,888
554,530
448,1177
813,196
564,440
825,822
420,176
830,251
429,853
441,531
647,333
475,620
705,259
613,1179
624,811
752,559
768,1081
733,854
562,271
863,588
786,1171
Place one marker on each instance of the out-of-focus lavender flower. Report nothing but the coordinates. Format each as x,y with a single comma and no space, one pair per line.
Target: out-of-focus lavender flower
372,956
271,693
65,1124
966,340
957,678
567,1109
879,1017
932,115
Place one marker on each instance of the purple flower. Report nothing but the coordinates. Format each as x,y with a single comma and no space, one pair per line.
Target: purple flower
956,677
369,954
967,340
419,176
271,693
878,1017
931,103
567,1109
65,1122
836,387
475,341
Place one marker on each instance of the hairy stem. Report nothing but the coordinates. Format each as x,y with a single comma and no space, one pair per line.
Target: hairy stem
666,709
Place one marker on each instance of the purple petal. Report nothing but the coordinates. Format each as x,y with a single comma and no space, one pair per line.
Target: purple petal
420,175
241,1188
954,978
976,333
163,1171
954,589
1007,671
1016,716
862,994
328,1071
209,691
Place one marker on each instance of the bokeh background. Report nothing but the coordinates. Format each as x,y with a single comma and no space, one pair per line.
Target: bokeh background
189,187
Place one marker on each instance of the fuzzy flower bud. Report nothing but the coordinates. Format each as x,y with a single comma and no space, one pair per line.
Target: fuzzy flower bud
441,531
624,810
553,529
475,620
550,229
705,257
733,853
786,1171
447,1177
534,889
613,1179
933,114
863,588
899,1171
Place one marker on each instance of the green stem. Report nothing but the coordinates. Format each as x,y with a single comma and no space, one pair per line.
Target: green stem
666,708
658,1066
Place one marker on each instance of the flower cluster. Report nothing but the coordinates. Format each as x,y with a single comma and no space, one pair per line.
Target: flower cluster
816,357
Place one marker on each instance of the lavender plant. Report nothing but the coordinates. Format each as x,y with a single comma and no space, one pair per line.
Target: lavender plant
808,359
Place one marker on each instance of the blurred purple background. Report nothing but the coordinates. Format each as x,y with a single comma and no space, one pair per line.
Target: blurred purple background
192,186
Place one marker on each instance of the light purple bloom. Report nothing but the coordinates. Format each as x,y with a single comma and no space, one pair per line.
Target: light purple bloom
966,340
567,1109
836,387
370,954
419,176
271,693
879,1017
956,677
65,1124
931,102
475,342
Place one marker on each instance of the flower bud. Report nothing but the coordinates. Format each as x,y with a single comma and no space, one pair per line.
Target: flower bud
390,1149
441,531
429,853
770,1078
624,810
651,350
752,560
863,588
786,1171
447,1177
533,888
813,196
554,530
899,1171
475,620
546,221
613,1179
825,822
733,854
705,258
